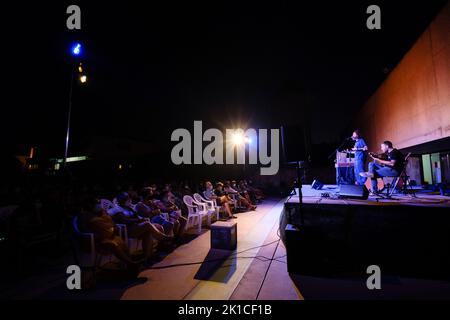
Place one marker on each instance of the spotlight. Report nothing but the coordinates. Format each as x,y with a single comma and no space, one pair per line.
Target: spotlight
83,79
76,49
238,139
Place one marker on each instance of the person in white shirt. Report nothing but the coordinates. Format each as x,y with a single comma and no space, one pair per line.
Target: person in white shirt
221,199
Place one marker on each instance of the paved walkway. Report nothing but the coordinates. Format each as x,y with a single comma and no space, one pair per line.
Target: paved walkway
240,276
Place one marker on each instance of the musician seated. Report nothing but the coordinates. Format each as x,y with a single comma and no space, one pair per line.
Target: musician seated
389,164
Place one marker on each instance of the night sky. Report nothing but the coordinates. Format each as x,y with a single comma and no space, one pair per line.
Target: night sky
154,68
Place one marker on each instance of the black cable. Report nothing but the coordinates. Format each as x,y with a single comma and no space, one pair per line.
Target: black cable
233,254
267,270
260,258
212,260
276,259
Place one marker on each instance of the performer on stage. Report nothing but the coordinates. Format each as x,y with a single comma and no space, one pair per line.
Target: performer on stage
389,164
360,149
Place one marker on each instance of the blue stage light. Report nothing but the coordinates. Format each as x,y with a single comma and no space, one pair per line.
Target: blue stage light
76,49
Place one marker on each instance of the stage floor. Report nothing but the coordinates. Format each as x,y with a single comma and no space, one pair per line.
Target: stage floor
312,196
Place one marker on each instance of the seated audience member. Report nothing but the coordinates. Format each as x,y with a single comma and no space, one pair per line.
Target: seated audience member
219,196
94,219
242,191
254,193
137,226
259,194
167,204
134,197
184,191
148,209
242,200
155,190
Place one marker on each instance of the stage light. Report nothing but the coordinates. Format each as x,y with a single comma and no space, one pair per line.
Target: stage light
76,49
80,68
83,79
238,139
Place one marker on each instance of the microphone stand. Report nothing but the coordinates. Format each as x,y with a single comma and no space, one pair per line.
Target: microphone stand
299,166
300,194
338,149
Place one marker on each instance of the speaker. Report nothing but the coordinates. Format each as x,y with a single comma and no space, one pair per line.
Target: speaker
294,143
224,235
306,250
353,191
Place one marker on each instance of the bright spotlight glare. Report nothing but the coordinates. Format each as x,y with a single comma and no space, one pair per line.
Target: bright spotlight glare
238,139
83,79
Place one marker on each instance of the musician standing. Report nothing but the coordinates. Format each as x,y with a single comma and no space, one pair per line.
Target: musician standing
360,149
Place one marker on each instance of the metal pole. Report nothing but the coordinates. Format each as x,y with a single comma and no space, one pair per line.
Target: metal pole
68,119
300,193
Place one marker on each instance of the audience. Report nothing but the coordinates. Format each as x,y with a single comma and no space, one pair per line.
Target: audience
242,200
255,194
137,226
167,204
219,196
156,212
94,219
148,209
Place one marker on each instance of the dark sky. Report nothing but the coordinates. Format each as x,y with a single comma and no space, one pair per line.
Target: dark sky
154,68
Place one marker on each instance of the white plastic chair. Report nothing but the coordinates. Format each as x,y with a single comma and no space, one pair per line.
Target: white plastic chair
196,211
211,205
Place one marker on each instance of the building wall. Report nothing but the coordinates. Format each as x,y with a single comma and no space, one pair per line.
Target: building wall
412,106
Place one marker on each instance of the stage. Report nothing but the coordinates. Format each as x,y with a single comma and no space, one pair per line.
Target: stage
406,235
312,196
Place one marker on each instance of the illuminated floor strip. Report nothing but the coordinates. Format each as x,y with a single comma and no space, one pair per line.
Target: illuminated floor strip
211,290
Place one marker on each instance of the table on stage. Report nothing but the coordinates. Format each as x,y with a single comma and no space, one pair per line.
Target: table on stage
344,164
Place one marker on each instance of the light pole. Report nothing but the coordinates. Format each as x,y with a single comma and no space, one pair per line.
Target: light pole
76,51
